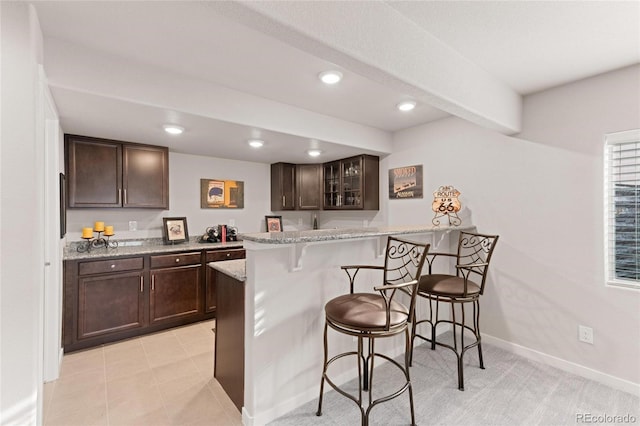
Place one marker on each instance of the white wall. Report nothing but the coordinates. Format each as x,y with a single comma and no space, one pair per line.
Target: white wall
542,193
185,172
21,252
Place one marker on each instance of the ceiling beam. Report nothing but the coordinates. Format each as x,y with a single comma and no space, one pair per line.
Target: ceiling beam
76,68
378,42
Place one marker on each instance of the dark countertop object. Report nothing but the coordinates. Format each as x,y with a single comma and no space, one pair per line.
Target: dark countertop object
236,269
143,246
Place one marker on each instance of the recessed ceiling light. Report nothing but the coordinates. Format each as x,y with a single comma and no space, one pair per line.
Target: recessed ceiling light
330,77
172,129
255,143
406,106
314,152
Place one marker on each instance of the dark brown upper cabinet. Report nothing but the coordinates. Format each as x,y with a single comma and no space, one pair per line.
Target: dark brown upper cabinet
309,186
352,183
283,182
107,173
296,186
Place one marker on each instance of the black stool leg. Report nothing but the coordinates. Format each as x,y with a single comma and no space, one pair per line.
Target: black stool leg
407,364
476,318
324,371
433,322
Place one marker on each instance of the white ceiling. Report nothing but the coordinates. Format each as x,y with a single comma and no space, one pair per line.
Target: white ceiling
229,71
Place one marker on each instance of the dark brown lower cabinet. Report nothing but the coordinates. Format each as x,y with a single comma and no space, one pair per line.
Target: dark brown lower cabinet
176,293
229,347
110,303
114,298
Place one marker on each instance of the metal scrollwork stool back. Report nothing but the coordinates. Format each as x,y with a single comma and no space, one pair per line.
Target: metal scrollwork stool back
376,315
471,260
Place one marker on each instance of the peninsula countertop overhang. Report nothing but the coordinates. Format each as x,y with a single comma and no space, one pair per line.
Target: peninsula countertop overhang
294,237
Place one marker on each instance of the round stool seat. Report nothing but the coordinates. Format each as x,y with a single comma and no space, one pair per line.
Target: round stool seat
446,285
365,311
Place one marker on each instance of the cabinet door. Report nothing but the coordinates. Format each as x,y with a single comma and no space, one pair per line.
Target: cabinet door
352,188
309,184
175,293
332,186
110,303
283,181
94,172
145,177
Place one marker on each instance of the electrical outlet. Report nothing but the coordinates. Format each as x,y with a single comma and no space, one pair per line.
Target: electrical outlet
232,222
585,334
133,225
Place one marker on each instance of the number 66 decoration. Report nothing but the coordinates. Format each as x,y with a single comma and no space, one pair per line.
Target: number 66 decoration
446,203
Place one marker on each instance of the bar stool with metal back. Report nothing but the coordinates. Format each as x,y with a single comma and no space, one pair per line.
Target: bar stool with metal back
371,315
473,257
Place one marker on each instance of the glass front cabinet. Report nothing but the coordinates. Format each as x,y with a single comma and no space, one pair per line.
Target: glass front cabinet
352,183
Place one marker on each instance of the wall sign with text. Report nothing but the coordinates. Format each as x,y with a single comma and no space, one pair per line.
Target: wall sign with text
446,203
405,182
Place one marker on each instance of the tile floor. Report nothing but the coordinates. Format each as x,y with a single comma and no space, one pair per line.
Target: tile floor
160,379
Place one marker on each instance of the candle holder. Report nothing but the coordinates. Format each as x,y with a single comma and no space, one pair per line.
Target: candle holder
99,242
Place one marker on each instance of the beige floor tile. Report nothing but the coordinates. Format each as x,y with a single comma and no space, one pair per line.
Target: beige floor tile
75,383
92,396
175,370
123,344
47,396
117,354
159,356
160,336
87,404
196,347
222,397
127,408
204,363
80,362
126,368
160,379
125,386
184,387
94,417
202,408
157,417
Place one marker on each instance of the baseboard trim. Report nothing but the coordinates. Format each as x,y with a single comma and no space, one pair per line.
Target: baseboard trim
564,365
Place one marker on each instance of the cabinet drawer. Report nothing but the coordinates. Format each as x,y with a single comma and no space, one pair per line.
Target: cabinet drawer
216,256
182,259
114,265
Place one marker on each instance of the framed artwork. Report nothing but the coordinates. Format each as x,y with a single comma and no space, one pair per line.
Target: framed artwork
274,223
63,205
405,182
221,194
174,230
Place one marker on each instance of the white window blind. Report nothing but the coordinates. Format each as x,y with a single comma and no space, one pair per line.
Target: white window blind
622,208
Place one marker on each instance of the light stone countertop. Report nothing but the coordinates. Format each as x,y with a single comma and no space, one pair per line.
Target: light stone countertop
292,237
236,269
144,246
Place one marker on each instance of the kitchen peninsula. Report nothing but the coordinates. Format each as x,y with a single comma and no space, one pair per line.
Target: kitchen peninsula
289,277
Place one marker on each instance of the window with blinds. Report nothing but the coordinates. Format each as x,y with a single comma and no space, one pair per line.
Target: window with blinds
622,208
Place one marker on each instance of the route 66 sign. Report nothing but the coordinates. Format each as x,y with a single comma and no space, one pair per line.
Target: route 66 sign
446,203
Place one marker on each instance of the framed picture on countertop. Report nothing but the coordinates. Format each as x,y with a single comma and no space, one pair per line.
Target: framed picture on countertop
274,223
174,230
